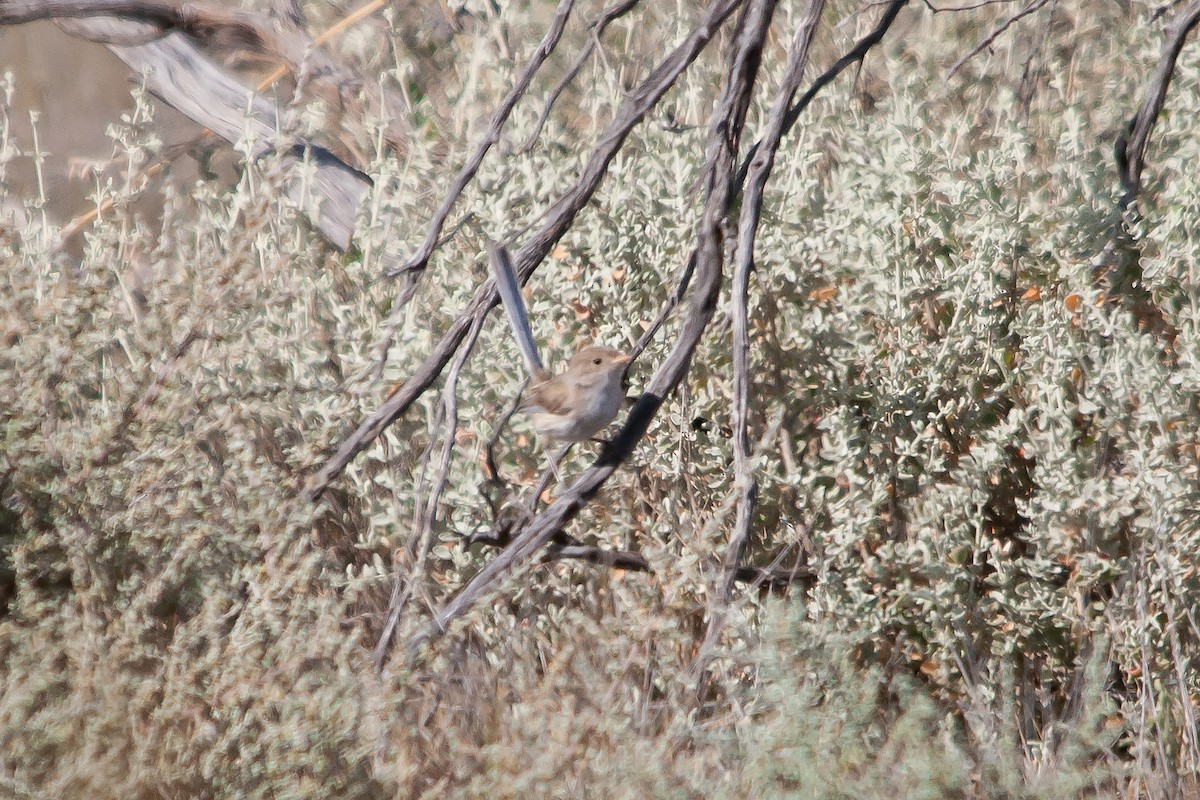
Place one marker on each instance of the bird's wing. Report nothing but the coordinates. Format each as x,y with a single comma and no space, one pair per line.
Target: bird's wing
552,396
514,306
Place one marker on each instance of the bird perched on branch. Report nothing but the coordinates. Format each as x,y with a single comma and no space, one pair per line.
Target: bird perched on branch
582,400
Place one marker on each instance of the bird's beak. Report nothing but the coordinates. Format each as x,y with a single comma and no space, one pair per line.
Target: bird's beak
622,359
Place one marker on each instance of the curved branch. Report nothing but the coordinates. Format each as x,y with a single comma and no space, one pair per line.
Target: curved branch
751,215
1032,7
425,513
1131,148
745,481
1120,259
597,30
550,41
856,54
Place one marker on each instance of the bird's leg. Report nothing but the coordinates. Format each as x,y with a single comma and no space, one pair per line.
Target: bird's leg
556,459
552,462
544,483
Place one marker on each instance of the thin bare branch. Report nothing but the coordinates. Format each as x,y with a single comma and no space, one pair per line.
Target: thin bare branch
968,7
773,577
855,55
745,481
668,307
426,508
597,30
549,42
1032,8
748,222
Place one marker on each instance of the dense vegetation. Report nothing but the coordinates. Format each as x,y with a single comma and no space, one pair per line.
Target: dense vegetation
976,454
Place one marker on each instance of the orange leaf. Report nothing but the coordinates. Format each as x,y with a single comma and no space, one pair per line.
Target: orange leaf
1031,294
823,294
1073,301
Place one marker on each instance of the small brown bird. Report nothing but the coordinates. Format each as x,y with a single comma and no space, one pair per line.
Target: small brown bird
581,401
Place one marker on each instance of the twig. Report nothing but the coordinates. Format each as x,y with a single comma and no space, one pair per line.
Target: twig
668,306
969,7
491,468
597,30
774,577
549,42
724,134
558,219
855,55
146,399
1028,83
426,511
1033,7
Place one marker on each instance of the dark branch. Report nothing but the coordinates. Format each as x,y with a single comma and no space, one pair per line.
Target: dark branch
745,481
1131,148
1120,259
772,577
856,54
1033,7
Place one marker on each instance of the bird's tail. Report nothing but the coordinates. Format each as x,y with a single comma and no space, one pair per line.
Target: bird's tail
514,307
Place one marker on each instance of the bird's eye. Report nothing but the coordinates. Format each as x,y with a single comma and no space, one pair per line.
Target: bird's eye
596,361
